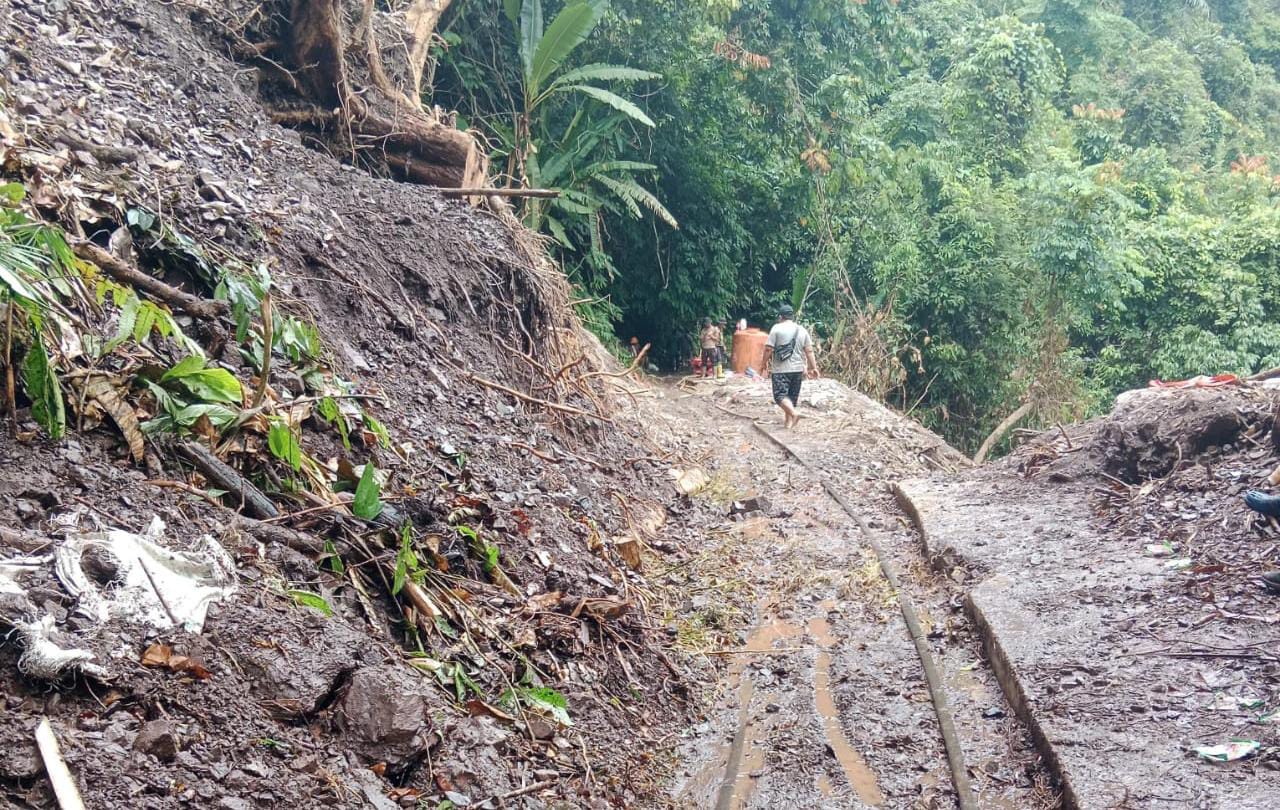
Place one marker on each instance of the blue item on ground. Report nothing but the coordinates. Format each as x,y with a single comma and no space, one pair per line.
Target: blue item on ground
1262,502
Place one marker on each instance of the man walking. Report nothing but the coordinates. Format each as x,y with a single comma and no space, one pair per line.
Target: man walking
788,354
710,339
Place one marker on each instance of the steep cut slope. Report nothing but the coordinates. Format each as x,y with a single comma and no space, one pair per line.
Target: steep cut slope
487,592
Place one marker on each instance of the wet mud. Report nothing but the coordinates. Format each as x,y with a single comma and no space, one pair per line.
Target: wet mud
823,701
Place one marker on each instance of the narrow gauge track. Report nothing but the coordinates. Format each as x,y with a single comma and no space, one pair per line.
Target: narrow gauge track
756,753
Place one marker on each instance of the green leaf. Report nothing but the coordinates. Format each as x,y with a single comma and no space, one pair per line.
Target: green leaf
612,99
333,559
566,32
12,193
146,319
406,559
208,384
543,699
367,504
530,35
558,231
634,195
378,429
41,384
283,443
312,600
592,73
606,166
512,8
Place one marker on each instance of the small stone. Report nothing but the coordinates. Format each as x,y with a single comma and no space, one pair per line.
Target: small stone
158,738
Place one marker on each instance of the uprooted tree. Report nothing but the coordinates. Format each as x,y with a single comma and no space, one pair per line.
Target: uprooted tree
350,74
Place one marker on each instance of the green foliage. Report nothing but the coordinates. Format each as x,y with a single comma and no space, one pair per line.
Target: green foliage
283,443
406,559
541,699
367,504
41,384
978,203
206,384
311,600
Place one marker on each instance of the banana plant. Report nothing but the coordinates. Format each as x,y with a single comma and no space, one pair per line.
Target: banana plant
588,184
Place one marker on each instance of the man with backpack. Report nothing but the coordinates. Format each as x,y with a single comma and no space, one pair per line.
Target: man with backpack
788,354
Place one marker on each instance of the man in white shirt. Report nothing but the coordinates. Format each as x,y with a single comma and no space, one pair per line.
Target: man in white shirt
788,354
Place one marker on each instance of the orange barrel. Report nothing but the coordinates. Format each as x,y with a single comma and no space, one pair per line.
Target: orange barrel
748,350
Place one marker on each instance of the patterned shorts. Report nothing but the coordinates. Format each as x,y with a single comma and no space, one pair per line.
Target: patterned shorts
787,386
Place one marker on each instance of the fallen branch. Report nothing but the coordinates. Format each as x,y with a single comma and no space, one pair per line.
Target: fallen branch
223,477
553,406
64,785
1001,429
541,193
524,791
203,308
629,370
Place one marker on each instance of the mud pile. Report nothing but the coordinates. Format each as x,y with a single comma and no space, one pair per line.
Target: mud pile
517,657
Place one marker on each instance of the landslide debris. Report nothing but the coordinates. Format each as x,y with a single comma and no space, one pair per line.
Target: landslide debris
377,401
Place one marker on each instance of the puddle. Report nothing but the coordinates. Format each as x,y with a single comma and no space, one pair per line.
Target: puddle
742,764
851,762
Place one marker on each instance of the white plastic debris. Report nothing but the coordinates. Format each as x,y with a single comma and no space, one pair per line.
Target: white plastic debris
1230,752
44,659
148,582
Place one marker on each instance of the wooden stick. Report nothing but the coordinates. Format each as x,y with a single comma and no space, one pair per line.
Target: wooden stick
541,193
222,476
64,785
526,790
203,308
268,333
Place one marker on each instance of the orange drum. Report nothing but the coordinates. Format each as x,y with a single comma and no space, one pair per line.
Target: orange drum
748,350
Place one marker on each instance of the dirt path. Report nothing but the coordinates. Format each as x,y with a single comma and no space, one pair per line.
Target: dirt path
823,700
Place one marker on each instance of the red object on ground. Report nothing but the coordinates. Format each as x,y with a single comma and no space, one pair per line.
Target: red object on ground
695,363
1198,382
748,350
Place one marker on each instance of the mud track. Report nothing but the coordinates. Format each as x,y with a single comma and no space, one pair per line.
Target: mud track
824,702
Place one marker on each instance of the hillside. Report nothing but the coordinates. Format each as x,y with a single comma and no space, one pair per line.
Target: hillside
421,351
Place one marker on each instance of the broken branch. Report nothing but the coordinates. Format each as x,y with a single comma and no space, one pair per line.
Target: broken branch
199,307
552,406
222,476
541,193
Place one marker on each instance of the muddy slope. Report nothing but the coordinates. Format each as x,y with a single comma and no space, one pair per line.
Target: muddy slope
130,103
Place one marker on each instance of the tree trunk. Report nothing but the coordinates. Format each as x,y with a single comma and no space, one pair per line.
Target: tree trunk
359,71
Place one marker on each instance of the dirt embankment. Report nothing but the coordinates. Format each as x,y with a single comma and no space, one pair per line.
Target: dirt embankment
505,452
1112,570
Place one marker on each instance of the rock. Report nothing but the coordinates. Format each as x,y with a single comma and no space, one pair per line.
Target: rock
159,738
756,503
233,803
383,715
295,682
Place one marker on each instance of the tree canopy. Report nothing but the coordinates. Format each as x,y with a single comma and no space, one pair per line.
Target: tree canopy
977,204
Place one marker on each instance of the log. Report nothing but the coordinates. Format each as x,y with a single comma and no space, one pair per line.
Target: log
541,193
220,475
203,308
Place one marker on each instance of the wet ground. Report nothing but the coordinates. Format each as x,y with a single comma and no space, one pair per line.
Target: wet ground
1112,566
823,700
